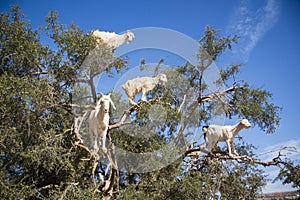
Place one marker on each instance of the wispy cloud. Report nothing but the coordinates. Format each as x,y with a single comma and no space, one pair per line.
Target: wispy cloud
251,21
277,186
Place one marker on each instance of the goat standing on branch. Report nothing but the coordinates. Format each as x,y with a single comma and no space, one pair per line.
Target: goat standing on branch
215,133
99,120
142,84
112,39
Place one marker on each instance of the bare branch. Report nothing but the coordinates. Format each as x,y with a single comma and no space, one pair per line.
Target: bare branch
77,126
83,147
288,148
183,101
210,97
39,73
47,187
133,108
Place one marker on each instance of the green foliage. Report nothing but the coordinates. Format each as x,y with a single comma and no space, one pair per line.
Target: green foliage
38,158
201,179
290,174
212,45
21,52
254,104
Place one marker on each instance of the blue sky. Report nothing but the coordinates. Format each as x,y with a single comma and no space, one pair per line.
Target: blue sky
269,44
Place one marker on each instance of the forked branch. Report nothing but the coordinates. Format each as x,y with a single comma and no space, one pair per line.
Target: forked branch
134,107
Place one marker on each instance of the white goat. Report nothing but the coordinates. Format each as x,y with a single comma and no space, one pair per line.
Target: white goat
215,133
112,39
142,84
99,120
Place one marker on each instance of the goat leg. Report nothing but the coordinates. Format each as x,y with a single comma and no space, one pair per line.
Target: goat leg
233,149
103,143
229,148
144,95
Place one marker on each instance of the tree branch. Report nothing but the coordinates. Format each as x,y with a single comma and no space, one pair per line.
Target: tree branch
243,159
47,187
131,109
288,148
183,101
210,97
39,73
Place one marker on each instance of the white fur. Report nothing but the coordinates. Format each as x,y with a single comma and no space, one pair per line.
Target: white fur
142,84
215,133
99,120
112,39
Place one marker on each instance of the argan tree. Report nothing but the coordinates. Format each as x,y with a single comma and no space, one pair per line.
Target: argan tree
42,154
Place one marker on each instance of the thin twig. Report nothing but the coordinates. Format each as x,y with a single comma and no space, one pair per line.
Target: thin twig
288,148
183,101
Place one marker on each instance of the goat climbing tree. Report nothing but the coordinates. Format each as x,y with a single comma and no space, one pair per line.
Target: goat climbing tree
42,156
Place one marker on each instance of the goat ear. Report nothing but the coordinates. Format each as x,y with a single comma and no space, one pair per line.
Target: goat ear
101,93
110,94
